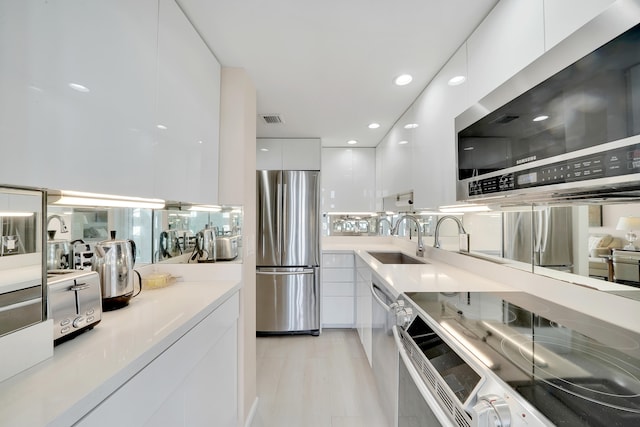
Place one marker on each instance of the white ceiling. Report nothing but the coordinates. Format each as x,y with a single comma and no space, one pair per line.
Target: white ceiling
327,66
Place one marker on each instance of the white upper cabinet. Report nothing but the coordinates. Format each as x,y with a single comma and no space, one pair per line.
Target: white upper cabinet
510,38
188,119
348,180
288,154
434,156
86,83
78,94
563,17
395,153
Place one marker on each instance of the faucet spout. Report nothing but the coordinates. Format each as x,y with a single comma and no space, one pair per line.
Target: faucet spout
63,226
461,230
420,250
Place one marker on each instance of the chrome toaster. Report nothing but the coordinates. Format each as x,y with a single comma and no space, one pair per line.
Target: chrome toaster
74,302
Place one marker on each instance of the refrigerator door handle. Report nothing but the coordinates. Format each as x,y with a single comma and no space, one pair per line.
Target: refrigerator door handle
279,194
286,273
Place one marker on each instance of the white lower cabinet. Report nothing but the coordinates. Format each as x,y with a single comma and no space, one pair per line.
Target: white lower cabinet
364,300
192,383
338,293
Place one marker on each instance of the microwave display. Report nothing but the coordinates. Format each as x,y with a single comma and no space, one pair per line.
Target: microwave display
594,101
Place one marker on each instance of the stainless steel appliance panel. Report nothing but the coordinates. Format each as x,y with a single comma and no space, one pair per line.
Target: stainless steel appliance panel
384,353
300,218
269,210
20,308
544,235
288,300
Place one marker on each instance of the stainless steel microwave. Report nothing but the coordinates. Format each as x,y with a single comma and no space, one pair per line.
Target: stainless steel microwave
566,127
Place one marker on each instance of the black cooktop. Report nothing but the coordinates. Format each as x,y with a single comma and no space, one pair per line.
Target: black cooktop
574,368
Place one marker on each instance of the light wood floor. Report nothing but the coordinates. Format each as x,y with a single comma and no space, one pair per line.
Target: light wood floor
324,381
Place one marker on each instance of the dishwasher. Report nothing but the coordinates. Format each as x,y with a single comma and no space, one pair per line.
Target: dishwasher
384,351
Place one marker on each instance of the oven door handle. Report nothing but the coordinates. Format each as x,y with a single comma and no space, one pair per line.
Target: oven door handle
378,299
419,383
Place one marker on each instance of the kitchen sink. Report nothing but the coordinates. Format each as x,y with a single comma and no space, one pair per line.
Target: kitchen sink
395,258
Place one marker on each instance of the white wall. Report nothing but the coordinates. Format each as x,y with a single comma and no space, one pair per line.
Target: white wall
238,187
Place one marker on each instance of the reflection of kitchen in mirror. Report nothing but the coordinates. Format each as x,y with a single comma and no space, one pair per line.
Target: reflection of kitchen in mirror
613,246
21,259
197,234
73,232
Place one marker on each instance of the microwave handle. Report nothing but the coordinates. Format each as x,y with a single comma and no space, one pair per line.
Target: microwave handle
427,394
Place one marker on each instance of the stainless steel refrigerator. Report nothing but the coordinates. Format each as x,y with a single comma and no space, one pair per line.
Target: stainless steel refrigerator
542,237
288,252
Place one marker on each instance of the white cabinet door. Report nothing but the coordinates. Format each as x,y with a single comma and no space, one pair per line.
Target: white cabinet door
78,94
563,17
395,154
187,124
364,299
288,154
434,152
509,39
348,179
193,382
338,290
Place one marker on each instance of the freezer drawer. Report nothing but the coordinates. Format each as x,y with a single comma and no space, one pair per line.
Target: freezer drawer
287,301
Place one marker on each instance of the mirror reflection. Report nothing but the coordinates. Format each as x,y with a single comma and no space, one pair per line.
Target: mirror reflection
21,258
582,244
197,235
73,232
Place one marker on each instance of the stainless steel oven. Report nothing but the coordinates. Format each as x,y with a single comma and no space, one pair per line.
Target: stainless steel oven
512,359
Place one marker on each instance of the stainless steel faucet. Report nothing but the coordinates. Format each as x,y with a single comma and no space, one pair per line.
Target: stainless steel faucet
63,226
420,250
388,221
461,230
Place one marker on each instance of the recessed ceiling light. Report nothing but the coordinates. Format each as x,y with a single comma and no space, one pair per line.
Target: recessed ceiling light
468,149
374,125
163,127
411,125
352,142
403,79
264,149
78,87
199,141
540,118
457,80
403,142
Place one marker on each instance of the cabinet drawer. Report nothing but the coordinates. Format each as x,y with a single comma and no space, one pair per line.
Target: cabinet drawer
338,260
338,289
337,275
338,312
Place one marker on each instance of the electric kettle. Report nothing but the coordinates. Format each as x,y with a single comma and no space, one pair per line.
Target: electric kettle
205,250
169,245
58,253
114,260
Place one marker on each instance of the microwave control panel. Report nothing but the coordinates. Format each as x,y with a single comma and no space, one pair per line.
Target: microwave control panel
610,163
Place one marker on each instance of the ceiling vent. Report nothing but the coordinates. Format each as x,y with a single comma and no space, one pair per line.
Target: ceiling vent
271,119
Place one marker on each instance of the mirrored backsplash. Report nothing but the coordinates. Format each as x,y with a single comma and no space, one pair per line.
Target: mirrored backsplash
575,243
169,235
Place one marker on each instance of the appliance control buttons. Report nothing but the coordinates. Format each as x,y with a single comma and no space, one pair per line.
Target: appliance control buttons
78,322
90,312
90,319
65,322
65,330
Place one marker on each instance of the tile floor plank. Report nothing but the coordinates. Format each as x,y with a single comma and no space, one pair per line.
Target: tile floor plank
323,381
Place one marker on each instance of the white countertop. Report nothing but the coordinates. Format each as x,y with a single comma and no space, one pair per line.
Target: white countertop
451,271
88,368
433,276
